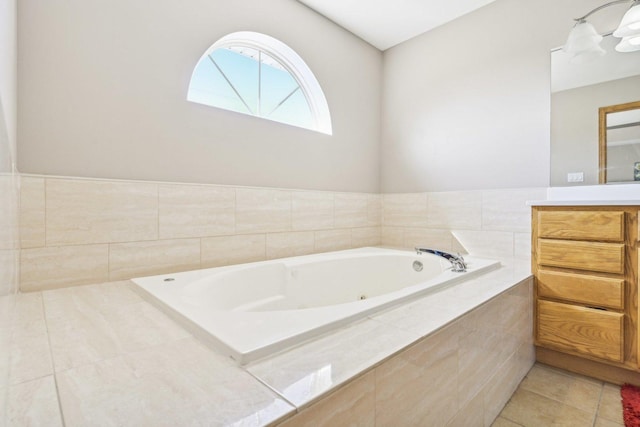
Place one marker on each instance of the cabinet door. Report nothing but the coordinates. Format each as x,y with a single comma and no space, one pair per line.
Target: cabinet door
596,333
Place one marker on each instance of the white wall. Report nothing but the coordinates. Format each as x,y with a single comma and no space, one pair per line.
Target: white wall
467,105
103,85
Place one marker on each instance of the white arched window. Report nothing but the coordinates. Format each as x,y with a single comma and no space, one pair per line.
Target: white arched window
255,74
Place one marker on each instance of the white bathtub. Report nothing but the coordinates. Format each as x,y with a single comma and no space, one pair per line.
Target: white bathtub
252,310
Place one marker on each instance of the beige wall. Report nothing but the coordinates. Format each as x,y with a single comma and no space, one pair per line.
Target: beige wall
93,231
574,130
103,90
467,106
8,68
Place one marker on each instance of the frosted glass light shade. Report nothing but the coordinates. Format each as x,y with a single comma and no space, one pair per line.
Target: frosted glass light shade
630,24
629,44
583,42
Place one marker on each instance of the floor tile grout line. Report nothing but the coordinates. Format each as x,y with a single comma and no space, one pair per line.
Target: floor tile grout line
53,366
598,407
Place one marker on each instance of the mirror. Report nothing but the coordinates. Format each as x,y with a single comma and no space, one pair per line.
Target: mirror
578,92
619,146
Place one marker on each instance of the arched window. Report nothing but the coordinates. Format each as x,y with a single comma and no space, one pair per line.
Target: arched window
255,74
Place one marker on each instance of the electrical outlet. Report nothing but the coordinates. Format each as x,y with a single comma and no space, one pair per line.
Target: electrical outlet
575,177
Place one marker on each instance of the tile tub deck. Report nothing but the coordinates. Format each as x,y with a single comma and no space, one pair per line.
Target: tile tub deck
101,355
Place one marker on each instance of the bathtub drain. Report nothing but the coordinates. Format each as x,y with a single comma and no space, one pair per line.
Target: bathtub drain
417,266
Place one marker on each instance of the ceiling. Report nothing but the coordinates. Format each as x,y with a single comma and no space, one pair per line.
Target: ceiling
386,23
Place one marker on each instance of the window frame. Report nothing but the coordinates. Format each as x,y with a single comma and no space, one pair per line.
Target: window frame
291,62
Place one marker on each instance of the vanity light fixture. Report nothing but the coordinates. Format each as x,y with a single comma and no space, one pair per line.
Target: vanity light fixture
584,41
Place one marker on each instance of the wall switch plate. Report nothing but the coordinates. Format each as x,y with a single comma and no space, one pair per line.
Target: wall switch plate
575,177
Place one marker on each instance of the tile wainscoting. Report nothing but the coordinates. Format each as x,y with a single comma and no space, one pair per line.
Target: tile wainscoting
78,231
491,223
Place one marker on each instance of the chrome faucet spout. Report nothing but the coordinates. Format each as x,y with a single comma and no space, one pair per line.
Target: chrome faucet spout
458,263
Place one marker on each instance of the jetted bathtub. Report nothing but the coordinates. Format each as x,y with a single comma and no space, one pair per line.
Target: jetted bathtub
249,311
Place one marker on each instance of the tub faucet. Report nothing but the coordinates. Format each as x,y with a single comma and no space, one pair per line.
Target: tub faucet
457,262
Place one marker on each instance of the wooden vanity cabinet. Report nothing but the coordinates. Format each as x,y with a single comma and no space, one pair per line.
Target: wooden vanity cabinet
585,263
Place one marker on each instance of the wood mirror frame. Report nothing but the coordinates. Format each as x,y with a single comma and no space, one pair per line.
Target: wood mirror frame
602,146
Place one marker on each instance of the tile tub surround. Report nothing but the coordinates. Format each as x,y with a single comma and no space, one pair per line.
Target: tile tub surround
100,355
78,231
494,223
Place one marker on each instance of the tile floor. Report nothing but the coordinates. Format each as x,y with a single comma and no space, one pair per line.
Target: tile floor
553,397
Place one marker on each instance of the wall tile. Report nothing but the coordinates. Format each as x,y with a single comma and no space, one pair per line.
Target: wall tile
507,210
32,213
486,243
351,405
374,210
9,213
405,210
332,240
418,386
196,211
262,210
228,250
84,211
365,236
471,414
483,348
392,236
429,238
9,261
58,267
312,210
351,210
500,387
455,210
282,245
522,245
128,260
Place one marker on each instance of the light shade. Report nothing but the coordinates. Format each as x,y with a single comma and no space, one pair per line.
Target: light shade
629,44
583,42
630,24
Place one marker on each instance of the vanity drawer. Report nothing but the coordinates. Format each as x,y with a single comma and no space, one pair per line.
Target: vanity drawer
590,256
581,288
582,225
596,333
